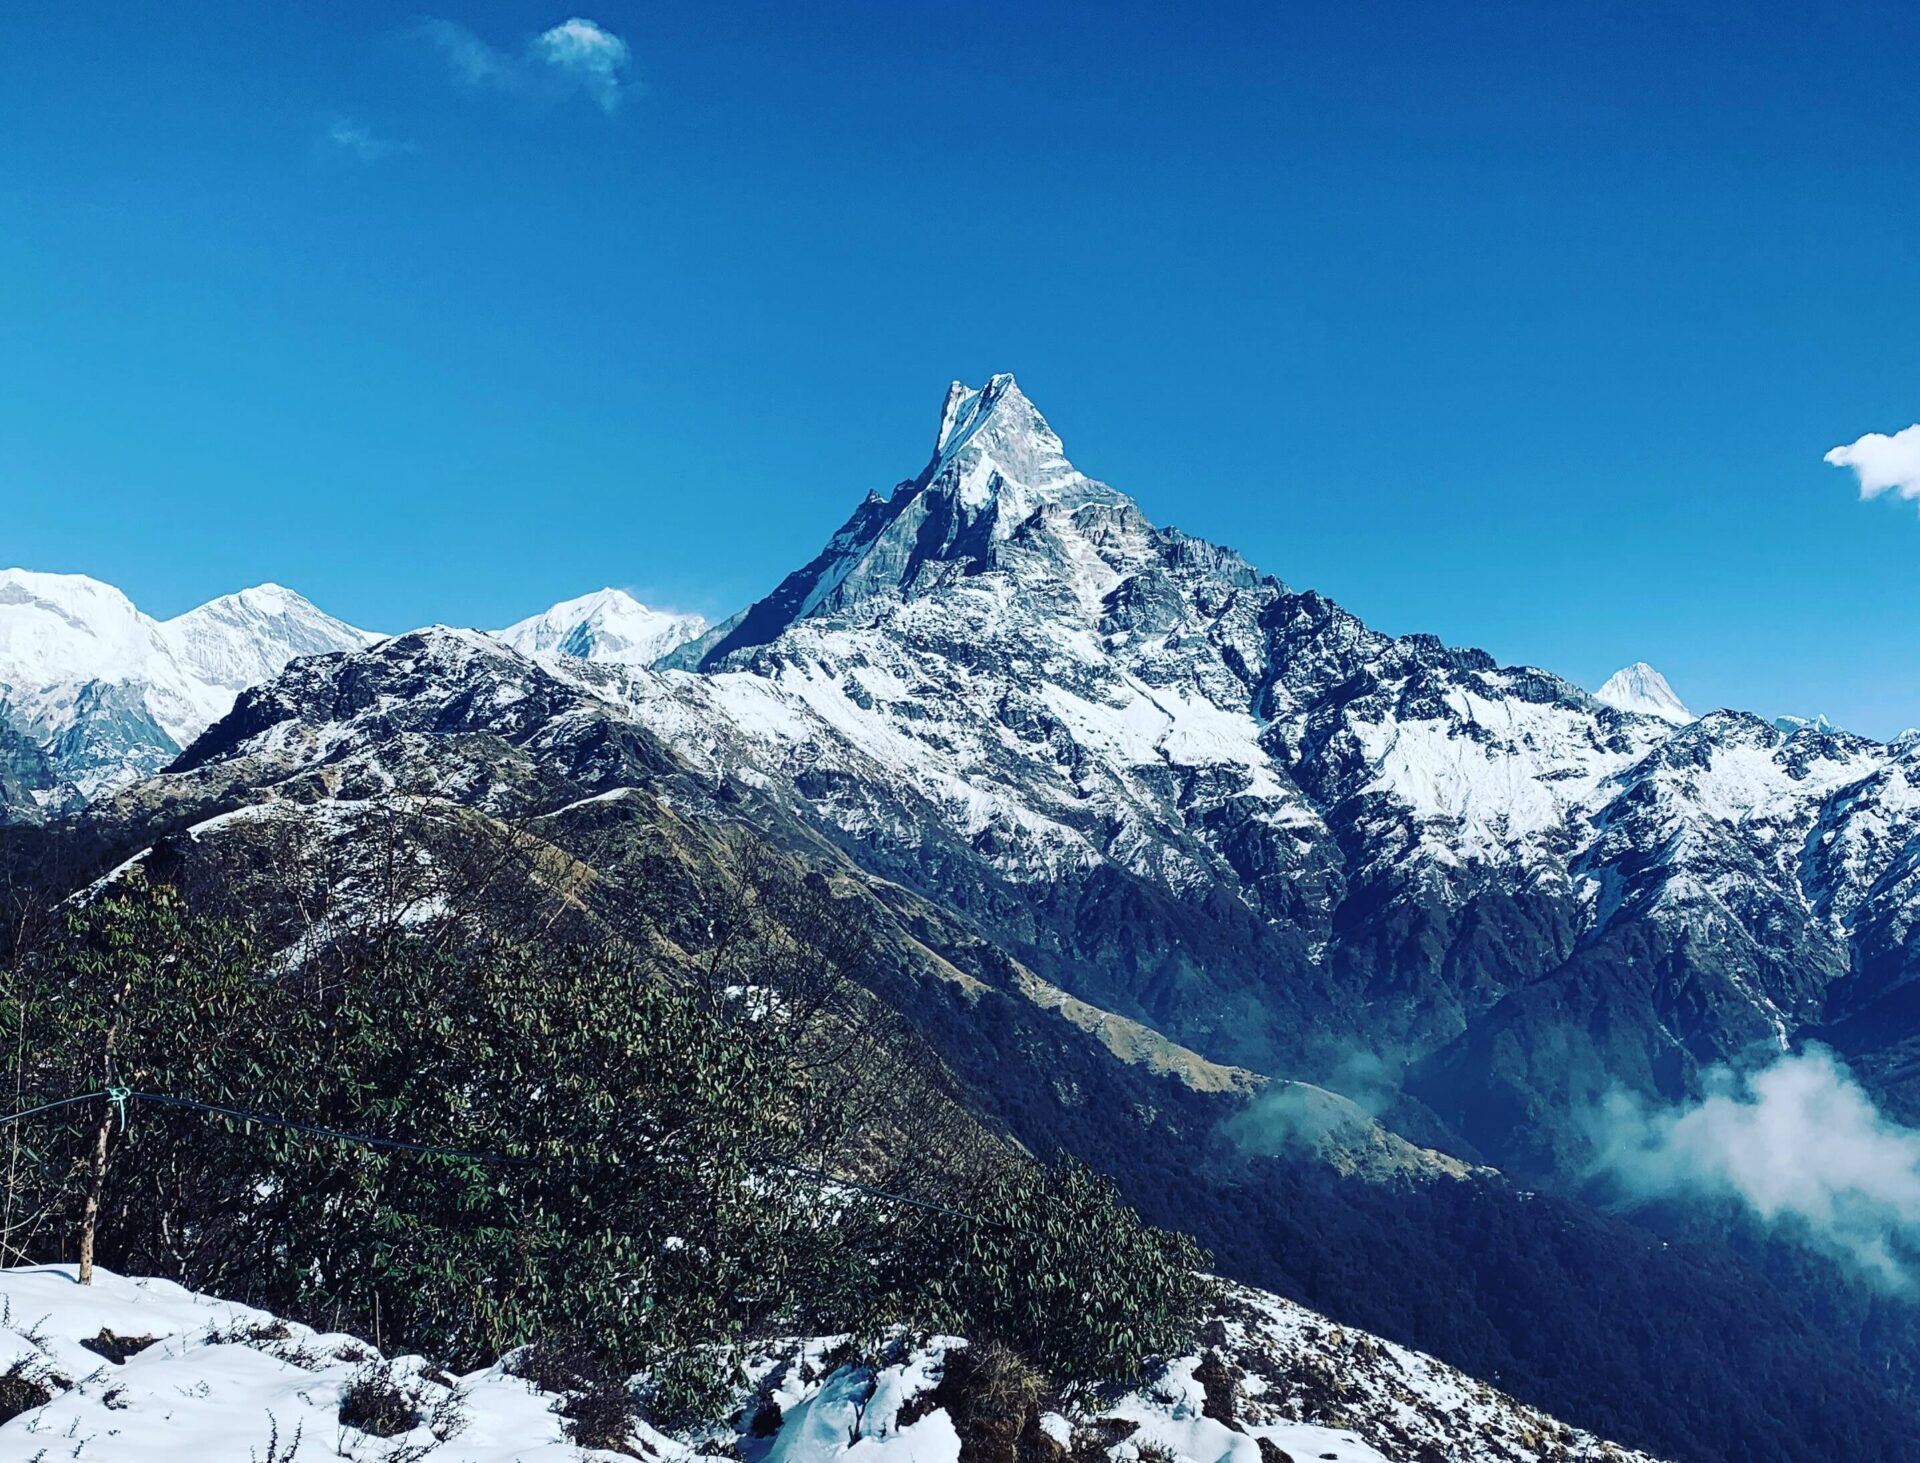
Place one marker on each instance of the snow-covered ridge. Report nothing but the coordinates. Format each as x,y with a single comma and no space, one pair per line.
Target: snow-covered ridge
110,694
215,1381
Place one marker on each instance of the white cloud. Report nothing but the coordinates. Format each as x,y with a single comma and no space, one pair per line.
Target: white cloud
1800,1144
597,57
578,57
1883,463
358,139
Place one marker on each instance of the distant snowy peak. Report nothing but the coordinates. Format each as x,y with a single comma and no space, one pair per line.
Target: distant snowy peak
1792,724
106,693
1641,688
60,633
609,625
240,640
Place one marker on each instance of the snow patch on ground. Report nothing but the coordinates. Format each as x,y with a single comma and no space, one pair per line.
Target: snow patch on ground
218,1381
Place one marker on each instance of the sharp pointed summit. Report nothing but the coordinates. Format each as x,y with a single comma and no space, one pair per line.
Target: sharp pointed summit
996,464
996,430
995,451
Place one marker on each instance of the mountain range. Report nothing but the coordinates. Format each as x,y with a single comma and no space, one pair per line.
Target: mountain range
1156,837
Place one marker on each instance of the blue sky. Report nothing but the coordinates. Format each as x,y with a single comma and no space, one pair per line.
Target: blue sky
1526,325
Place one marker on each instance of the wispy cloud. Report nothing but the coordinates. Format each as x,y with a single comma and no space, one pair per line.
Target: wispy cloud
358,140
578,57
1800,1144
1883,464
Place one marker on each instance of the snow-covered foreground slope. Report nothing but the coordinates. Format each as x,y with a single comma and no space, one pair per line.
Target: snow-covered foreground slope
216,1382
225,1383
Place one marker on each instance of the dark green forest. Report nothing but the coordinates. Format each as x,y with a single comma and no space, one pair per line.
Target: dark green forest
658,1160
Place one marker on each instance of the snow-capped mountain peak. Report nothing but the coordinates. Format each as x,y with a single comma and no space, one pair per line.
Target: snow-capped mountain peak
1640,688
996,464
242,639
997,423
608,624
61,633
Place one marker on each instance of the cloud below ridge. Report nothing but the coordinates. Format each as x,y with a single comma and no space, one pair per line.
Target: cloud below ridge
1800,1144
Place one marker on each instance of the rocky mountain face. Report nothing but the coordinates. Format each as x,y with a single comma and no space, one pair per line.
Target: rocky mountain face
1194,795
26,777
99,694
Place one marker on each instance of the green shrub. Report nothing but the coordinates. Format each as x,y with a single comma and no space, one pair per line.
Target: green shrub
1061,1270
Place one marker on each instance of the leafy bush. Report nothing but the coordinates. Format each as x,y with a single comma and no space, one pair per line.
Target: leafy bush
636,1206
1061,1270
